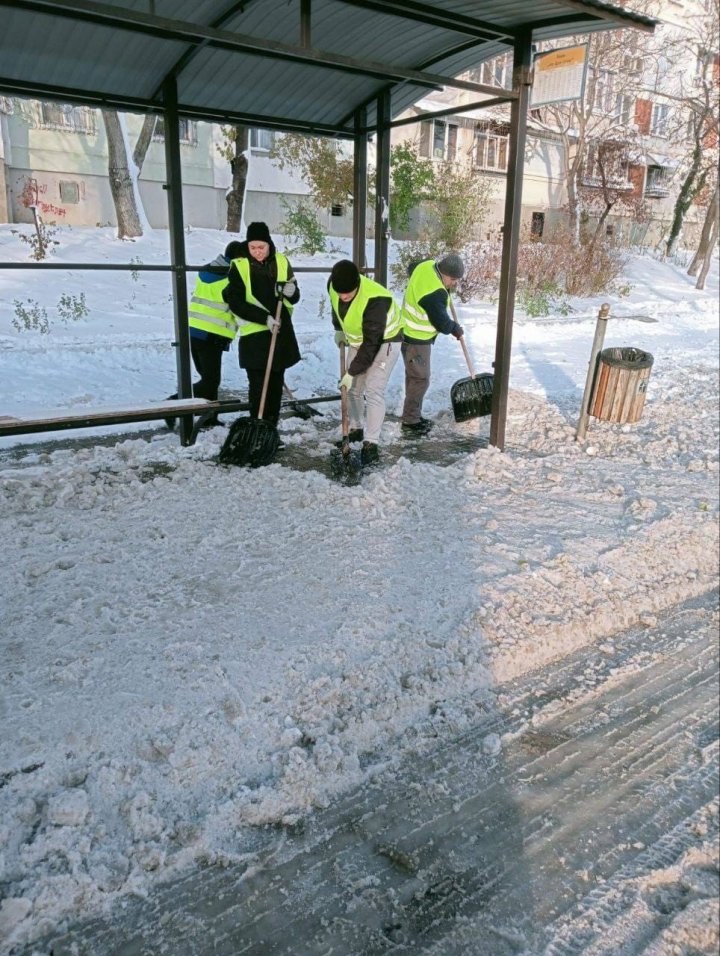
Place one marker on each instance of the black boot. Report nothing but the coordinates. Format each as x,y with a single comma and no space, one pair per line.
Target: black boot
416,429
370,453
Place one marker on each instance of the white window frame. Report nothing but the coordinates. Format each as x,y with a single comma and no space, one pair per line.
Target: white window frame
603,91
432,132
65,116
490,150
188,131
624,109
660,119
592,177
262,140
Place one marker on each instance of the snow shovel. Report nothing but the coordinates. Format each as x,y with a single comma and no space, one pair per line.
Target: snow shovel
345,465
302,411
252,441
471,397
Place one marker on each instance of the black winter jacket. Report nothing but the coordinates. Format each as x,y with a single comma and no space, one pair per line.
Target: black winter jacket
254,349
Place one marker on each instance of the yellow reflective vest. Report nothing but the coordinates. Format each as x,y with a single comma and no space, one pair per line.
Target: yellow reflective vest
351,324
243,267
207,310
424,280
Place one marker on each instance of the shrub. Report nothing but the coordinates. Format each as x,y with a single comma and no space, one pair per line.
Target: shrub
301,223
30,317
72,307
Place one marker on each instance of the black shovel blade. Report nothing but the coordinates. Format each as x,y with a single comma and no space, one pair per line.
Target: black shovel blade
472,397
250,441
346,465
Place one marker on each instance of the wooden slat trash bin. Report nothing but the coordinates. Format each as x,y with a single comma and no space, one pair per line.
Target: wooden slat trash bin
621,382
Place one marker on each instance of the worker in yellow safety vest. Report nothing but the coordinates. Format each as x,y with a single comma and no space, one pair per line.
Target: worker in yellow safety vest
425,316
212,327
259,278
365,317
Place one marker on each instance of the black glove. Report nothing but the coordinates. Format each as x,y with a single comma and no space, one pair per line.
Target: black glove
457,331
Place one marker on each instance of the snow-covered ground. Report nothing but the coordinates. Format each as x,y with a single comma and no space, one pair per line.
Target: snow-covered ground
174,634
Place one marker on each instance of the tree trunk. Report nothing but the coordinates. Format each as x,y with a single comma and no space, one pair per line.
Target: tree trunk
688,191
239,166
121,183
710,220
144,140
601,222
700,284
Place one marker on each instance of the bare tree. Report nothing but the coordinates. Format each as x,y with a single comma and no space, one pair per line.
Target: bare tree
700,284
606,113
122,184
686,81
708,237
235,149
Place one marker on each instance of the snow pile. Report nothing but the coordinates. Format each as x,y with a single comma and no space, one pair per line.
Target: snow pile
191,651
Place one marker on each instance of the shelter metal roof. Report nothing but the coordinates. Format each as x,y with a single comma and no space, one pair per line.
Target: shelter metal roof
287,64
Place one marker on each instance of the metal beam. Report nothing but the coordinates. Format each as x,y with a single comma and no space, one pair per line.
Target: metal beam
360,191
382,188
450,111
424,13
173,171
522,80
134,104
168,29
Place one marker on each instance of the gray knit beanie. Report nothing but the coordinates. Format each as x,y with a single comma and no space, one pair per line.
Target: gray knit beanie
452,266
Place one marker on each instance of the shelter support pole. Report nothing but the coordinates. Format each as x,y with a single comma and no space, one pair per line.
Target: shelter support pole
382,189
598,340
360,189
173,173
522,79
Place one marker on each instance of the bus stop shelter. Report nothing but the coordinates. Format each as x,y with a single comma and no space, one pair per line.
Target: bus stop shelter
338,68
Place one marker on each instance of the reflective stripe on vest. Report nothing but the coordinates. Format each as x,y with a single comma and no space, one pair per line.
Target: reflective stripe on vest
208,310
424,280
243,267
351,324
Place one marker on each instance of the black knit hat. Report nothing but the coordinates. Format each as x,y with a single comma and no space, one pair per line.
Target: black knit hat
233,250
452,266
258,232
345,276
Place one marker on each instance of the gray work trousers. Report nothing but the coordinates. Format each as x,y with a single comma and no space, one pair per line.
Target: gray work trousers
366,398
416,356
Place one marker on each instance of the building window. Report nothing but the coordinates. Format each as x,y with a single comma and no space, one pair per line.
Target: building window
624,109
602,87
337,209
659,119
69,192
607,165
79,119
495,72
262,138
537,225
657,182
188,131
490,150
438,140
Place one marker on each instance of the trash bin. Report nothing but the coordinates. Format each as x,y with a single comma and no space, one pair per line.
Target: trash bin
621,382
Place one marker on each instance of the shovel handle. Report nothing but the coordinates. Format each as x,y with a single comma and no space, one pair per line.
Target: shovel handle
343,397
461,340
268,367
